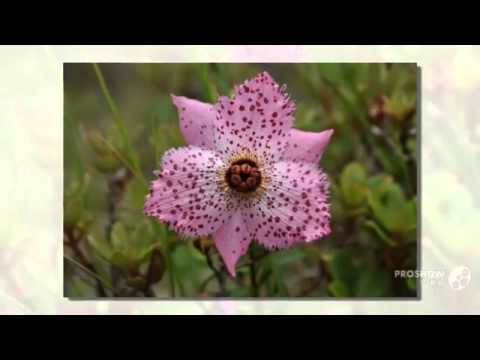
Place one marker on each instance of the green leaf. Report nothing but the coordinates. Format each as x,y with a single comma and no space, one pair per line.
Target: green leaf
210,93
77,287
379,184
106,164
74,203
240,291
412,146
411,283
135,195
353,183
372,282
392,210
355,276
282,258
401,102
339,289
343,269
121,260
371,225
190,271
332,72
133,246
119,237
101,246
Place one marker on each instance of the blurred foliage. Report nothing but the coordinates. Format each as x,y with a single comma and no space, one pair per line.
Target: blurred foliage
119,120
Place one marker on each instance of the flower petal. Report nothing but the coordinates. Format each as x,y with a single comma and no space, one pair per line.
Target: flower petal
307,146
196,121
232,241
257,118
186,194
294,207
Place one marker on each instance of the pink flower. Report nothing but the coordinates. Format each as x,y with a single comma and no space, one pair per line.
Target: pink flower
246,174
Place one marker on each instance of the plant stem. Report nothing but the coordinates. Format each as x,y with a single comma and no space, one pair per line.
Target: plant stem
209,90
90,272
171,274
253,279
218,274
122,159
205,282
87,266
119,123
165,243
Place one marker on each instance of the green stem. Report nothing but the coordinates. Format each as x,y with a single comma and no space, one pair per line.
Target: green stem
171,274
168,257
209,91
90,272
124,161
218,273
119,123
370,140
253,274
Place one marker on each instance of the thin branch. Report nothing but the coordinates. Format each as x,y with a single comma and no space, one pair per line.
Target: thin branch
73,242
120,124
253,279
218,273
90,272
253,271
205,282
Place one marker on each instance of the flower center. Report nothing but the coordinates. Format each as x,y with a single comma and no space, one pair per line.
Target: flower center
243,176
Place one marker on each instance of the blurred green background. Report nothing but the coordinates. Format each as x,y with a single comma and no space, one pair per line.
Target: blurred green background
119,120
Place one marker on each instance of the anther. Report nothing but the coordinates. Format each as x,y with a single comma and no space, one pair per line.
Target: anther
243,176
235,169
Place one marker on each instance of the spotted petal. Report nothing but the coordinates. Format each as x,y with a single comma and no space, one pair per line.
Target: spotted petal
307,146
232,241
257,118
196,121
186,194
294,207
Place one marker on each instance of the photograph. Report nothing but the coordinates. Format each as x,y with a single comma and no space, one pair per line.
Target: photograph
241,180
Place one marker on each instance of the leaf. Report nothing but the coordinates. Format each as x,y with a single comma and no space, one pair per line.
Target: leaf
353,183
121,260
372,282
142,235
379,184
106,164
371,225
411,283
209,92
132,247
355,276
343,269
101,246
338,289
77,287
392,210
119,237
189,269
241,291
412,146
282,258
332,72
74,202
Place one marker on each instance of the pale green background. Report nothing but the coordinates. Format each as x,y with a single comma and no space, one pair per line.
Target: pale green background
31,120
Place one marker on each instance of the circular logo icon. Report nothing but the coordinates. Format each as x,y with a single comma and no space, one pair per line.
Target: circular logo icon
459,278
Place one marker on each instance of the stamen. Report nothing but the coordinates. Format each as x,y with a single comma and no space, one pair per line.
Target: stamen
243,175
